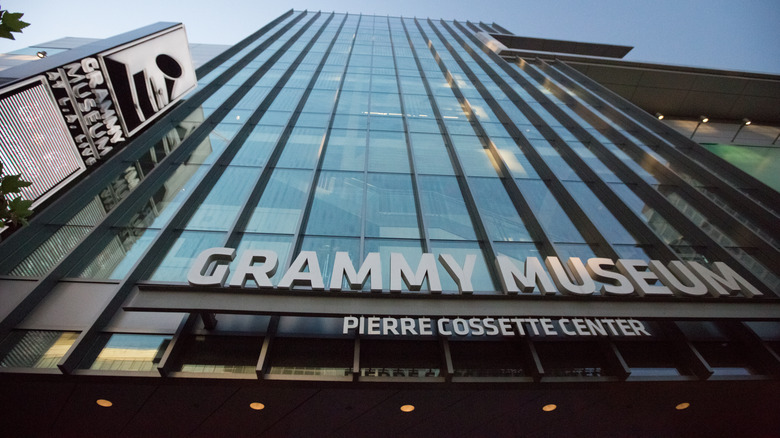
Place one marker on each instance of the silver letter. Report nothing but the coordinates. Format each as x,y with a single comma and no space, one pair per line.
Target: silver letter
534,275
461,276
342,265
400,271
561,278
246,270
197,275
296,275
724,281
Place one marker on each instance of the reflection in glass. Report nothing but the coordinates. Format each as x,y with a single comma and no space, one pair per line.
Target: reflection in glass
500,217
346,150
281,203
225,199
607,224
178,260
549,212
390,209
126,352
387,152
37,348
125,248
444,209
338,201
220,354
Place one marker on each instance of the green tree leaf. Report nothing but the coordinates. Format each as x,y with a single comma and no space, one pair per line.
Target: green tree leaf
10,22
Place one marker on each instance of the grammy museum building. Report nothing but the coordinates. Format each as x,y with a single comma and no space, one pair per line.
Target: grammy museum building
348,225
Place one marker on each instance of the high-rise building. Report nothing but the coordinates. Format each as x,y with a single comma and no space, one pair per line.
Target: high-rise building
393,226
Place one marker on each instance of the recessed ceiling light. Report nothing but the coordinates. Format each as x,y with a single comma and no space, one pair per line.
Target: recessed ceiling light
407,408
659,116
104,403
682,406
549,408
257,406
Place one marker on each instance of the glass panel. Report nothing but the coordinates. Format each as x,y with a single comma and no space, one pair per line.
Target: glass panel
220,354
178,260
486,359
312,357
410,359
387,152
281,203
225,199
571,359
37,348
430,154
346,150
476,160
258,146
444,209
609,227
302,148
337,206
50,252
390,209
650,358
126,352
497,211
125,248
549,212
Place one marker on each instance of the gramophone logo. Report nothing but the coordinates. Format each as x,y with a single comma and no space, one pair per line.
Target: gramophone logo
148,76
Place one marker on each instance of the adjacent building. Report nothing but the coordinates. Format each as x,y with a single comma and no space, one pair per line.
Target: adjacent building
357,224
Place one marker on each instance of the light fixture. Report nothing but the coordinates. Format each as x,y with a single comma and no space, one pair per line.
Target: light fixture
407,408
41,54
257,406
702,119
659,116
682,406
103,403
549,408
745,122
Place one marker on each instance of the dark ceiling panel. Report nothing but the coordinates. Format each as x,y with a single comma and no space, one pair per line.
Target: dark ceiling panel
561,46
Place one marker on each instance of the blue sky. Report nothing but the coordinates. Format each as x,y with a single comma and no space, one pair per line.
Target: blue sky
732,35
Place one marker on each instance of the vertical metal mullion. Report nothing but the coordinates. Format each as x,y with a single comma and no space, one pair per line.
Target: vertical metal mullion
652,197
422,223
156,249
303,220
28,238
584,224
246,211
460,176
523,208
636,226
756,213
364,201
738,231
703,164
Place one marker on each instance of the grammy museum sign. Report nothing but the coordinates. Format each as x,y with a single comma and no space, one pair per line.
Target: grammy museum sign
623,277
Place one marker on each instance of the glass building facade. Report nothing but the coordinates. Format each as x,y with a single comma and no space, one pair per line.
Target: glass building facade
326,133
